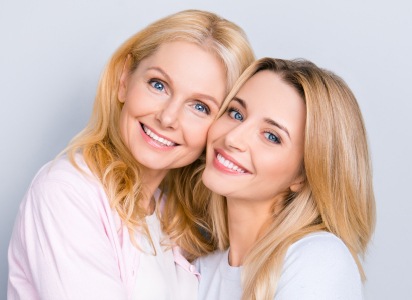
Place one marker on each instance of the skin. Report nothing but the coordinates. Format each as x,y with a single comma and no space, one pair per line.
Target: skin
170,101
256,149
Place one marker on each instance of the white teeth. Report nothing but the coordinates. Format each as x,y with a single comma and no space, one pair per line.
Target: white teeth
228,164
157,138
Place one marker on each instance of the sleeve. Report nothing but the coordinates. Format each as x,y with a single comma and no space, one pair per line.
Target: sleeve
319,268
60,248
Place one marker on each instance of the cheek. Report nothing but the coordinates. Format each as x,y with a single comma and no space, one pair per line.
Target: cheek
218,129
197,134
138,100
134,106
280,169
211,135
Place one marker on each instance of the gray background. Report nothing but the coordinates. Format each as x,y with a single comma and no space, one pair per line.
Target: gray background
52,54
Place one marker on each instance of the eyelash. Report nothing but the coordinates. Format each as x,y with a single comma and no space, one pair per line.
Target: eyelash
277,139
207,109
154,81
231,110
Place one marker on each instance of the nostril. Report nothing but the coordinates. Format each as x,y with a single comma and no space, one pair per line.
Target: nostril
168,119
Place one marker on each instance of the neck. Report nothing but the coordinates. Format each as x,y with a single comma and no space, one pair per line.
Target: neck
150,183
246,222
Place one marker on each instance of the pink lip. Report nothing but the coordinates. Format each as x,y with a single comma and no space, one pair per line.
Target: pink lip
224,169
153,143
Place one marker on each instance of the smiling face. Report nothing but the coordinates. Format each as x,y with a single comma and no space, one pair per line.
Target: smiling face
170,101
255,149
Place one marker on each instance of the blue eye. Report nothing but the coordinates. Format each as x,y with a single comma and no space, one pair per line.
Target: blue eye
271,137
202,108
157,85
234,114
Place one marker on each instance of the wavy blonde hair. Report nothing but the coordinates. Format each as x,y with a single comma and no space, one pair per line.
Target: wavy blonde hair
337,193
100,142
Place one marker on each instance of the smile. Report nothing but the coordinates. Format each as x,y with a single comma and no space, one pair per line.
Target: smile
229,164
156,138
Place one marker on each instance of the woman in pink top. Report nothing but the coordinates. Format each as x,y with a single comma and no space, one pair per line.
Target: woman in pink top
94,223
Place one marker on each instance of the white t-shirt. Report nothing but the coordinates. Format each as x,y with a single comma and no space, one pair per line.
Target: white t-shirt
317,267
158,276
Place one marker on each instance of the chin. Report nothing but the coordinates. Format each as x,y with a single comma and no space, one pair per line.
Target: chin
212,183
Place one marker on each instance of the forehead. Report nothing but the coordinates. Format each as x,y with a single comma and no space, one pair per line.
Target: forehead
189,65
268,87
267,95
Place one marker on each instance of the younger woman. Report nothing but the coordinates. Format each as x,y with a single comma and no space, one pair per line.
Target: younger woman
90,224
293,206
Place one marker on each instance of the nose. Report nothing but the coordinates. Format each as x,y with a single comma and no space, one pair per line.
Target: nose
168,114
238,137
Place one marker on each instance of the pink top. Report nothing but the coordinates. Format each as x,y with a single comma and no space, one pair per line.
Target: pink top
68,243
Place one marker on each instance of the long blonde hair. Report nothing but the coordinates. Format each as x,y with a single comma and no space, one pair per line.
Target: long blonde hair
337,193
100,142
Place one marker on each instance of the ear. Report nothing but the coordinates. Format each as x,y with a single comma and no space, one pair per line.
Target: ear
124,79
297,184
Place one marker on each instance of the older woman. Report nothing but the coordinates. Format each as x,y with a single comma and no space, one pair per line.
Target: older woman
90,224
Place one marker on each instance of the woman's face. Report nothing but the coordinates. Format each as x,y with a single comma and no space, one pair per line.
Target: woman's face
170,101
255,149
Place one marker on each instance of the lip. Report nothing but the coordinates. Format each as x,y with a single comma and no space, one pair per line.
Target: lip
156,144
227,170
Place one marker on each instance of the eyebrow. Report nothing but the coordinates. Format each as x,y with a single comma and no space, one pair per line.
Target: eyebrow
240,101
267,120
281,127
160,70
169,79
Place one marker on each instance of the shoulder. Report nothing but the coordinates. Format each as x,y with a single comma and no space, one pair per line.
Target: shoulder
61,170
62,173
320,264
63,203
321,252
323,246
60,187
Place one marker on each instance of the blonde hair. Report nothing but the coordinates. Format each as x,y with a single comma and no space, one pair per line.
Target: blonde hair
337,193
101,143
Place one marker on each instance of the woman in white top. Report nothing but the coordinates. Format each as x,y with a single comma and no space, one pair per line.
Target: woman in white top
93,224
293,206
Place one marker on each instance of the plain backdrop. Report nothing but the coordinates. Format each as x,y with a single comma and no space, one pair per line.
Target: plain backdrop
52,54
